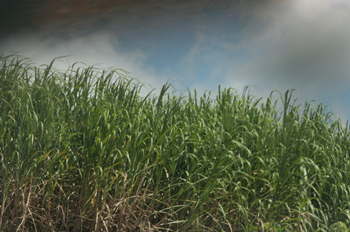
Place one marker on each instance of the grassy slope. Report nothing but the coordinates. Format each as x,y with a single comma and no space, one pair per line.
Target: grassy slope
82,151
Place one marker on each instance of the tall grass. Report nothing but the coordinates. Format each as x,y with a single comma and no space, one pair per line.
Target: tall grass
81,150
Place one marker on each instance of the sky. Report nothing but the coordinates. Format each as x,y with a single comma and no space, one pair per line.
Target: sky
195,44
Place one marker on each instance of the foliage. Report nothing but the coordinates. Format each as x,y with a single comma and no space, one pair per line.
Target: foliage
81,150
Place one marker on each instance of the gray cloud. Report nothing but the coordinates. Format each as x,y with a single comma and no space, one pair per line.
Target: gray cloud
301,44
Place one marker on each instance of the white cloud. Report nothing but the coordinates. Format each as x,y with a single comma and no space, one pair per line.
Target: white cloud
98,49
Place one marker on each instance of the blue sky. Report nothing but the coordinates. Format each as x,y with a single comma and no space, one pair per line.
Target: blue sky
269,44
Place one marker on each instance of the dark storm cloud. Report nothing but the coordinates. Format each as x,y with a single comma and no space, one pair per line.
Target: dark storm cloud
130,16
